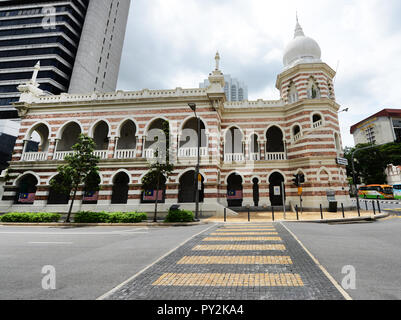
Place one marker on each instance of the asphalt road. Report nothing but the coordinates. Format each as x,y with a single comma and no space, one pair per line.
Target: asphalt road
373,249
88,261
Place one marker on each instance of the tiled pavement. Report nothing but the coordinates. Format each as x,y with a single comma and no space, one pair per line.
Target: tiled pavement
234,262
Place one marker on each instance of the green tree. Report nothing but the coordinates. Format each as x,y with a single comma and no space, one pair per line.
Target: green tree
81,168
160,169
370,164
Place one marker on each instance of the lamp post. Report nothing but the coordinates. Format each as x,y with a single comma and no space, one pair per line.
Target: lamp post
197,180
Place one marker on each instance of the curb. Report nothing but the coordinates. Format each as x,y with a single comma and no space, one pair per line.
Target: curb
158,224
356,219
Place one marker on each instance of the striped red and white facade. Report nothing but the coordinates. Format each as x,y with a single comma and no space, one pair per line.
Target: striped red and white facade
310,139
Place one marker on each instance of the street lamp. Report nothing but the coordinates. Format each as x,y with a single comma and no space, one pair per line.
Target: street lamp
344,110
197,182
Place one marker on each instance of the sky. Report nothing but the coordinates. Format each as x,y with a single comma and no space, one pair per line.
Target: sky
172,43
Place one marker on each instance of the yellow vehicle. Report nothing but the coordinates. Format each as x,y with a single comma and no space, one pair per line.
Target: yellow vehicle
376,191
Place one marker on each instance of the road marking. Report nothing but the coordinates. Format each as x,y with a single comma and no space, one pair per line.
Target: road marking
50,242
242,239
328,275
229,280
251,260
245,234
245,229
248,247
108,294
58,233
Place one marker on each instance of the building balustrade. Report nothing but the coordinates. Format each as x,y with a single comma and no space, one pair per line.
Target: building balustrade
317,124
192,152
60,155
34,156
102,154
234,157
125,154
275,156
254,156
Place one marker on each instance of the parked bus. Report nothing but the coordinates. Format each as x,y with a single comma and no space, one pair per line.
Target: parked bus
376,191
397,191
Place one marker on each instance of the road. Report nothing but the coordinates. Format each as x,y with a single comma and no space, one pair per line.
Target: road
373,249
88,261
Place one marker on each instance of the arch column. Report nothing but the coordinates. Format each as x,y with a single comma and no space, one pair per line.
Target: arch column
262,149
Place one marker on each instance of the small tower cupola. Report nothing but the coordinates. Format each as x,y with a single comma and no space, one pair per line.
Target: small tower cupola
301,49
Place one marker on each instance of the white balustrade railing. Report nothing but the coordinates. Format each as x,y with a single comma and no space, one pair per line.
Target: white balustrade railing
150,154
192,152
298,136
254,156
34,156
60,155
125,154
317,124
275,156
234,157
102,154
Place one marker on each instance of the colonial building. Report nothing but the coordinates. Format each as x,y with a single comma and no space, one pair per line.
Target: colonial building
249,152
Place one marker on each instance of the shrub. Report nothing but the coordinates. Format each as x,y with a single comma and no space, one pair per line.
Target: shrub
104,217
180,216
90,217
30,217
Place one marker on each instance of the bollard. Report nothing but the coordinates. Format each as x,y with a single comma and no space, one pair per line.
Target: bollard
342,207
249,215
374,207
366,205
225,214
378,206
296,209
321,211
273,213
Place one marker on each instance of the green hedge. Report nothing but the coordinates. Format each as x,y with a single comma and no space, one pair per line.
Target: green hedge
30,217
105,217
180,216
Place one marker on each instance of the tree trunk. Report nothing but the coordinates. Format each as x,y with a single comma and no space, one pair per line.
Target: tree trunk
157,197
72,204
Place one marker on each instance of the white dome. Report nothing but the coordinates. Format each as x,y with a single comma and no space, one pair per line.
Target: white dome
301,49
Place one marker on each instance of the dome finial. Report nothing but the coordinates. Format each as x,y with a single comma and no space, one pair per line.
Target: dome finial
298,29
217,58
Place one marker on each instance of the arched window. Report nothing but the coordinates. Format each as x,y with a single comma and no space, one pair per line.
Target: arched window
296,132
120,189
187,189
317,120
101,136
69,137
55,197
313,89
26,190
292,93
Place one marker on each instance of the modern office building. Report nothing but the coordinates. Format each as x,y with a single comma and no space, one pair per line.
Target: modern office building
78,43
382,127
234,89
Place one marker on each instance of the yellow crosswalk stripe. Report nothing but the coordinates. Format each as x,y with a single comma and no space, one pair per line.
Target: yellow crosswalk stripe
252,260
242,239
247,247
229,280
244,233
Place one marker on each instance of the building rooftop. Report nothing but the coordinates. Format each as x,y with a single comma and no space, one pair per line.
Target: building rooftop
383,113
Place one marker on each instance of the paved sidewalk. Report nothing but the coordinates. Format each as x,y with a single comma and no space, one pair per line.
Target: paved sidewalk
234,262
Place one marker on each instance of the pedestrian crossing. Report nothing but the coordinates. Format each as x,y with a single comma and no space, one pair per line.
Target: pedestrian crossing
251,246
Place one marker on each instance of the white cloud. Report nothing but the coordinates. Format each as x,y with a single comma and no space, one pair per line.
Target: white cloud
172,43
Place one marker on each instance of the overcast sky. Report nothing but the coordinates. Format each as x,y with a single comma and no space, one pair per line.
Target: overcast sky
172,43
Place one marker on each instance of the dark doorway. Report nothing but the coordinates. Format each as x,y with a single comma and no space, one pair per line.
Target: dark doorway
187,191
56,197
234,190
26,190
120,189
276,190
256,192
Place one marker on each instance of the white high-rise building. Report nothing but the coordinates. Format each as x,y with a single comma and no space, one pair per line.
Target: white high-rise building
234,89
